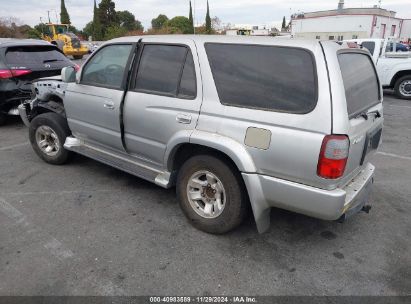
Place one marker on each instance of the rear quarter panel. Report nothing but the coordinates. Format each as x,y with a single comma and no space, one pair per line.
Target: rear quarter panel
295,139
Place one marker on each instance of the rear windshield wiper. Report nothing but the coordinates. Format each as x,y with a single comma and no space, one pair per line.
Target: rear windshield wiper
366,114
51,60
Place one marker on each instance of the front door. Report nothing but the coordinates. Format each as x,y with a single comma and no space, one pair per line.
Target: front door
93,104
163,103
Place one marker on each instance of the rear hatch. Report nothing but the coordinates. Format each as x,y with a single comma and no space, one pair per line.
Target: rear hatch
31,62
357,105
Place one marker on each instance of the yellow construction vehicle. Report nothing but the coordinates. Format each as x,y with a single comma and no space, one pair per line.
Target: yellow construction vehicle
66,41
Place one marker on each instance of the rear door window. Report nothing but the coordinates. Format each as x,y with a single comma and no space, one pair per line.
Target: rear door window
271,78
362,89
166,70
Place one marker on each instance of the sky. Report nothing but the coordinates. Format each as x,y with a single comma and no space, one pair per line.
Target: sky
255,12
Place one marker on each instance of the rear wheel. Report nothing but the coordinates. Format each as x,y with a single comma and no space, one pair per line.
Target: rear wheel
47,134
403,87
211,194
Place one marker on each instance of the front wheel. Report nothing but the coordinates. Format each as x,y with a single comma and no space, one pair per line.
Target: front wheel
403,87
211,194
47,134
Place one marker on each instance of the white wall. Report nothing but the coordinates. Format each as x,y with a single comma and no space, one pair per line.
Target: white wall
333,24
344,25
389,22
406,30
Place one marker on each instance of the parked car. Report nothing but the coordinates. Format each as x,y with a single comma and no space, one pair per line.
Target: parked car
227,120
394,68
22,61
399,47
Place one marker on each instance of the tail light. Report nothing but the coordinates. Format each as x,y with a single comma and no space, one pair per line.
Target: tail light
4,74
333,156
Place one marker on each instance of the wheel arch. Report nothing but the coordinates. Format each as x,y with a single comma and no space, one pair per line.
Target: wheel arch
204,142
398,75
53,105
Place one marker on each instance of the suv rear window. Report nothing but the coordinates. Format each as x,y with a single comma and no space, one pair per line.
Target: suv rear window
360,81
33,55
271,78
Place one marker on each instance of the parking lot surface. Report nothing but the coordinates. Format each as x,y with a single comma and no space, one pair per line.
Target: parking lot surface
88,229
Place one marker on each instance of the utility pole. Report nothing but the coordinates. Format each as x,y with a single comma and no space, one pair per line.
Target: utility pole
48,14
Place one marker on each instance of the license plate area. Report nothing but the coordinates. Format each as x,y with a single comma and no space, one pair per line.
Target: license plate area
372,142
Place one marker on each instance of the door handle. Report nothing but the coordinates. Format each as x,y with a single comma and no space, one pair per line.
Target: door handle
183,119
109,105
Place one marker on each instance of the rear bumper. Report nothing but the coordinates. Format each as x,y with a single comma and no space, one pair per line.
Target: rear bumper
266,192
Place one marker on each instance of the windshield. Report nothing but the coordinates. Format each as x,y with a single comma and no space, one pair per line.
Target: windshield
61,29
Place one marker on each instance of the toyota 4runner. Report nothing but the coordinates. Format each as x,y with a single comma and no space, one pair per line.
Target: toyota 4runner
229,121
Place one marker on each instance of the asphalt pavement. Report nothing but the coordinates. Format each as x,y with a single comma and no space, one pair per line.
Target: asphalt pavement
88,229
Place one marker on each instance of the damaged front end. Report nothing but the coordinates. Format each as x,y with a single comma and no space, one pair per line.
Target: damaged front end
48,97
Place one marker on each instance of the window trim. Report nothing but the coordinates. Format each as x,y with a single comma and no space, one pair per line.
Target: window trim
136,68
316,96
126,70
367,54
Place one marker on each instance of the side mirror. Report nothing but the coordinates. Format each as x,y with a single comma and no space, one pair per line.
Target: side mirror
68,74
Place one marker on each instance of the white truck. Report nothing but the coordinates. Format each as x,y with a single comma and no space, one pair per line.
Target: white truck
393,66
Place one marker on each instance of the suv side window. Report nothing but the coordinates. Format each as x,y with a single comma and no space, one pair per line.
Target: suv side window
166,70
273,78
106,68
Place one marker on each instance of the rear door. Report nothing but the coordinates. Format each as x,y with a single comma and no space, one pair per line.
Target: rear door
163,102
93,105
357,105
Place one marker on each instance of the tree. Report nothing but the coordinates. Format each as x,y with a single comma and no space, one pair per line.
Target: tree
179,24
284,25
159,22
128,21
115,31
95,28
107,14
191,19
64,16
208,21
42,28
216,23
89,29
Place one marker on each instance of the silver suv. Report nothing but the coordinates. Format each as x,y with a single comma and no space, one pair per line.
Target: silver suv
231,122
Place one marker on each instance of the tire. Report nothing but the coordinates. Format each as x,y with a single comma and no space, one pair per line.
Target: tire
51,129
3,119
78,57
402,87
234,198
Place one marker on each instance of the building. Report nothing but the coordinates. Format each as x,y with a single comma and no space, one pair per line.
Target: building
350,23
248,30
405,34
